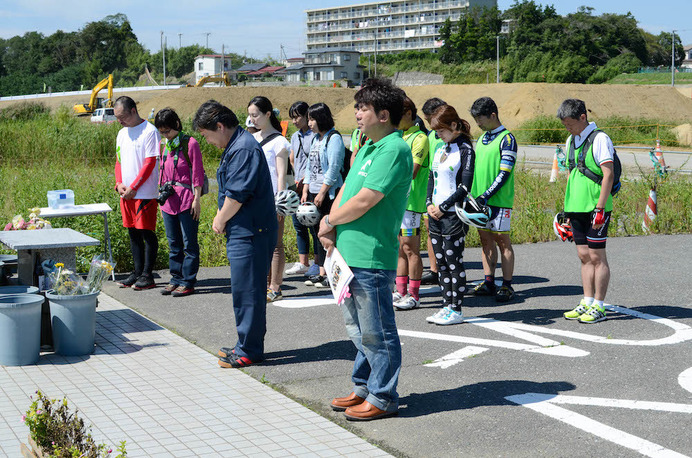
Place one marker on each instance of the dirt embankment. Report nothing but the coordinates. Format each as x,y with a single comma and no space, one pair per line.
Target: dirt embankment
518,102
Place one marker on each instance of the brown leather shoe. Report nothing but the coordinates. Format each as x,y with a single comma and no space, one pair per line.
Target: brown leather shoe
367,412
341,404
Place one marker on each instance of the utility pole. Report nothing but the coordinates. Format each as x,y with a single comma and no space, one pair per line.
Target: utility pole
180,40
163,53
497,38
207,34
376,31
672,59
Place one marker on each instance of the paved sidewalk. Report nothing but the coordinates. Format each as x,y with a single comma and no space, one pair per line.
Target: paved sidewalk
167,397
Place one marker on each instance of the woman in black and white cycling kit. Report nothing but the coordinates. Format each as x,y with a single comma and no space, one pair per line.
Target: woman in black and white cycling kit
451,175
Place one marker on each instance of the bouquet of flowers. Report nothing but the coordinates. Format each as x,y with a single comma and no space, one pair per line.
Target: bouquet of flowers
18,223
99,271
64,282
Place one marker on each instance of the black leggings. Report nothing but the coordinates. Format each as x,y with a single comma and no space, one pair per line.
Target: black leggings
449,255
144,246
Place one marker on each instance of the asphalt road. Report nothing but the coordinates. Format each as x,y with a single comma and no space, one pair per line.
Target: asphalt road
622,387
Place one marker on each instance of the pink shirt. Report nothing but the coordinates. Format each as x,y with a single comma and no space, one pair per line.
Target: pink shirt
183,197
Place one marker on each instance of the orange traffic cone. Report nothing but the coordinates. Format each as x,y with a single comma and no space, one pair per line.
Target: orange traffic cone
650,212
554,172
659,155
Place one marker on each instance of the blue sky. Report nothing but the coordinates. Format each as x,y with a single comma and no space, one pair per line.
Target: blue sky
259,28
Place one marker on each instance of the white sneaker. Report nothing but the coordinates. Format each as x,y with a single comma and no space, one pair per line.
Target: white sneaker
407,302
296,268
439,314
396,296
451,317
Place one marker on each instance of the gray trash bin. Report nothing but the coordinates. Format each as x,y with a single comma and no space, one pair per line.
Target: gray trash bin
17,289
73,319
20,329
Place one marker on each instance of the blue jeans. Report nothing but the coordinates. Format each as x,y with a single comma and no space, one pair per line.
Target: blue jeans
250,258
369,319
303,238
183,257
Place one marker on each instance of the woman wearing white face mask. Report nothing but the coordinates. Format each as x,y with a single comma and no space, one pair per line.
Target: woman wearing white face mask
275,147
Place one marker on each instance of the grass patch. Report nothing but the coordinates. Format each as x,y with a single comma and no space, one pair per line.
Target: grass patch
651,78
622,130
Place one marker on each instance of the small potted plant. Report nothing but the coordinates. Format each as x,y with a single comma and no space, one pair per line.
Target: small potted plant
55,431
73,303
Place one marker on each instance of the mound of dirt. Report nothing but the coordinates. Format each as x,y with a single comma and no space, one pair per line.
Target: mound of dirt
517,102
684,134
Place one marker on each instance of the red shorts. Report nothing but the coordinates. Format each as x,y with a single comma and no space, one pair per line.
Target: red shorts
139,213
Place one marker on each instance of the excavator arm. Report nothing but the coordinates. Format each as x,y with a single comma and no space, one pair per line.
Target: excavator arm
88,108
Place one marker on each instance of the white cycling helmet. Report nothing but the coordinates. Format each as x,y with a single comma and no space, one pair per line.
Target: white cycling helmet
308,214
562,228
287,202
473,213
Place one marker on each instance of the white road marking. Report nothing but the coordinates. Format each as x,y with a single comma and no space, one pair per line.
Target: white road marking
544,403
304,302
682,332
685,379
557,349
456,357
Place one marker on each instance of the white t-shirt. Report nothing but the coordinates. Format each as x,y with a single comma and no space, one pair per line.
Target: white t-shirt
603,150
271,149
133,146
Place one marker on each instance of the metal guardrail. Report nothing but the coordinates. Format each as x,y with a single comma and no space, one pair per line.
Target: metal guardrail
62,94
618,147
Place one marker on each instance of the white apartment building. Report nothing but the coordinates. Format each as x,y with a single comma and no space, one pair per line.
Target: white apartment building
385,27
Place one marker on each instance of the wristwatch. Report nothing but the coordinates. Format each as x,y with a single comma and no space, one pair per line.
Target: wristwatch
326,221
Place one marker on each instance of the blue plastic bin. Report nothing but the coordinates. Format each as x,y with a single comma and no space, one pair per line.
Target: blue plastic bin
20,329
17,289
73,319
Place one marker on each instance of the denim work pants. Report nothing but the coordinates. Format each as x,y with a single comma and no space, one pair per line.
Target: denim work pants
183,257
369,319
250,258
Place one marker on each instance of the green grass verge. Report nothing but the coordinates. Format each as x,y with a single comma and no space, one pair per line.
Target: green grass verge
622,130
651,78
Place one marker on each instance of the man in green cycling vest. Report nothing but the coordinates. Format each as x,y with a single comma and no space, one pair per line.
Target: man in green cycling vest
588,206
493,185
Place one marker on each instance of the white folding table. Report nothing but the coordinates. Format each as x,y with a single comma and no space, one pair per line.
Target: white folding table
67,211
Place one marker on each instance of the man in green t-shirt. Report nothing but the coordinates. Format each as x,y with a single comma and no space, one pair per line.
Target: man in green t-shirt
434,142
588,206
363,224
410,267
358,139
493,184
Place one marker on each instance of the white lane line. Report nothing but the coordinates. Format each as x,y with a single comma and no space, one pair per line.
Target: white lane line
558,350
610,402
682,333
544,404
685,379
304,302
456,357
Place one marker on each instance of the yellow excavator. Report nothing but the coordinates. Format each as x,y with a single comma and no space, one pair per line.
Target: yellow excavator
96,102
224,78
